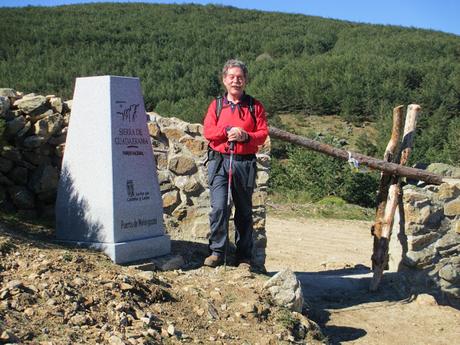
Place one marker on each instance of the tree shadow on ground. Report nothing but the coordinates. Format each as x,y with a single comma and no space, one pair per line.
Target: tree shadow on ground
31,232
71,223
339,290
332,291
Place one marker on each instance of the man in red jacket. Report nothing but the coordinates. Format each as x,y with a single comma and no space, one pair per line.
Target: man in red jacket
235,121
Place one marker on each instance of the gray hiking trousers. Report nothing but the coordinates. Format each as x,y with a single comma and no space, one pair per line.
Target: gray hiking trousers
243,180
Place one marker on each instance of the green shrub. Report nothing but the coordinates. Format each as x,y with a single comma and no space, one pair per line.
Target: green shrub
365,145
361,188
332,201
320,176
311,172
2,131
452,148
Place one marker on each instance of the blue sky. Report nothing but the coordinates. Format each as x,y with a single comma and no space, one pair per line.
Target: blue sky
442,15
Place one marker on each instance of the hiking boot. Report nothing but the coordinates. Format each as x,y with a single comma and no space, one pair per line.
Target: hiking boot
213,261
244,263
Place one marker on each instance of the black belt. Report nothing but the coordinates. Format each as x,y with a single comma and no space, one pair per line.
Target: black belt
212,155
240,157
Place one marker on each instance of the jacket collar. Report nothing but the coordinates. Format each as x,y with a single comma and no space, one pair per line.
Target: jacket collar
243,99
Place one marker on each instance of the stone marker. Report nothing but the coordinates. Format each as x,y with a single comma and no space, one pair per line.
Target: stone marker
108,195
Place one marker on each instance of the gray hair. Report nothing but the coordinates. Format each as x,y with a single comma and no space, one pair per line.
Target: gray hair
235,63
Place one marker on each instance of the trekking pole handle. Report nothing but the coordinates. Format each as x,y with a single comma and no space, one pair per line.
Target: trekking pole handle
231,145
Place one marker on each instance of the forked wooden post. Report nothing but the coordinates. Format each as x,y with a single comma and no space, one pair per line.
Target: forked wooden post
382,237
389,156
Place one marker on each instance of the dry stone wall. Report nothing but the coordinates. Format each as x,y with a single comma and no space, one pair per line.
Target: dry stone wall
31,151
426,235
31,155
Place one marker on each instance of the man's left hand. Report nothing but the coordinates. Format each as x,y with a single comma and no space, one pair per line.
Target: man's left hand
237,134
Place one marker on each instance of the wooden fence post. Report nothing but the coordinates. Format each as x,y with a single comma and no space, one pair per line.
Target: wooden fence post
382,239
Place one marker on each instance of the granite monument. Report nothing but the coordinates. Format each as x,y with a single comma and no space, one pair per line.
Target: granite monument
108,195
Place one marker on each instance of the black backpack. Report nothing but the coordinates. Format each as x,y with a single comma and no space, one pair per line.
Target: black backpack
252,108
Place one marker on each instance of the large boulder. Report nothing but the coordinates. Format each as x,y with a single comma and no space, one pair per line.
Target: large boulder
188,184
286,290
29,103
48,126
182,165
171,200
173,133
44,179
9,93
5,165
196,146
444,170
452,208
19,175
11,153
22,197
4,105
154,130
33,141
15,125
56,104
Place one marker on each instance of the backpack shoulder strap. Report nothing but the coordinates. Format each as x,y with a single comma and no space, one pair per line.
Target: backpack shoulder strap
252,109
219,102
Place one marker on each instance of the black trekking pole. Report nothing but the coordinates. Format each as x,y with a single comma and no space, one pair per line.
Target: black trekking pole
229,199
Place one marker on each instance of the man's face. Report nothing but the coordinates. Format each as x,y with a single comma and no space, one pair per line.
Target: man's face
234,81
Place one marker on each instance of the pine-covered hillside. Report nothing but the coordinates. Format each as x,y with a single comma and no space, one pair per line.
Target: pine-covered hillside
299,64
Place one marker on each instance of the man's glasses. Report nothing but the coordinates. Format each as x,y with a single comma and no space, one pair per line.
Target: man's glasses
233,77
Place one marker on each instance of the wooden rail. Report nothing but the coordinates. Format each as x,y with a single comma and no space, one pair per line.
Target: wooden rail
373,163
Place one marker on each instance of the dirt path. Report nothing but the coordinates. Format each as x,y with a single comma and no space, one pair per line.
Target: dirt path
332,260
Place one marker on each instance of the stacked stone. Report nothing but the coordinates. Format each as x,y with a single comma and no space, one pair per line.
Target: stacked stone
427,233
34,133
180,151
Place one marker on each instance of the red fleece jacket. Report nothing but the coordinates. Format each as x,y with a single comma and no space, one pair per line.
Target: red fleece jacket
215,130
